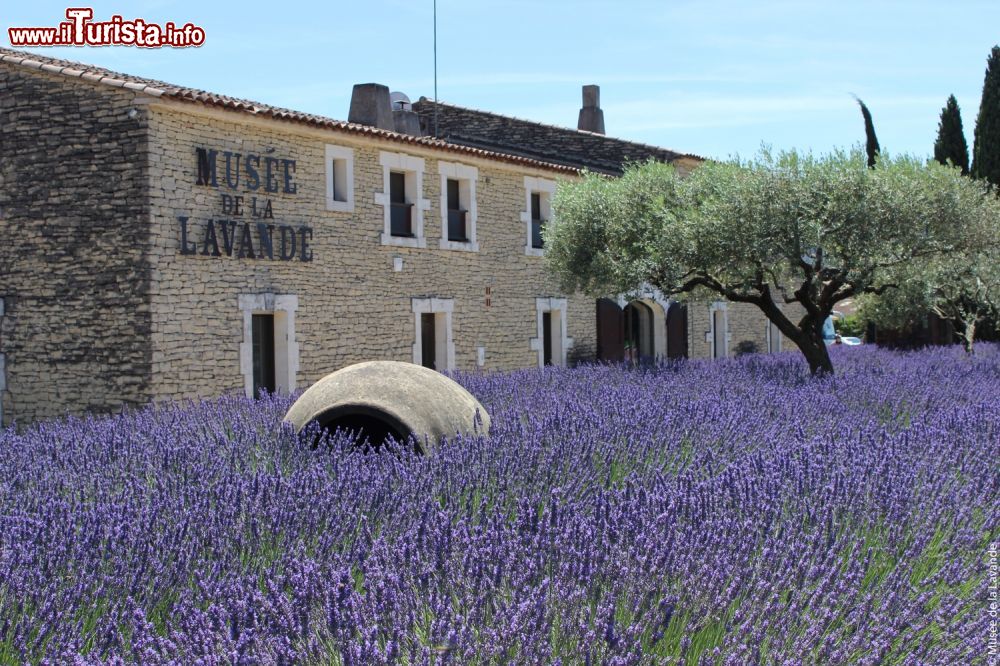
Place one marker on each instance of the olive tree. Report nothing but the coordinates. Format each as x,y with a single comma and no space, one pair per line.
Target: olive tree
962,287
788,230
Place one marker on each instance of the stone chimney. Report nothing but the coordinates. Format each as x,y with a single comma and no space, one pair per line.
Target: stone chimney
370,106
404,119
591,116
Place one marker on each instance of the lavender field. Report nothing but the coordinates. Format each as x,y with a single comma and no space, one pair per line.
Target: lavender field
733,512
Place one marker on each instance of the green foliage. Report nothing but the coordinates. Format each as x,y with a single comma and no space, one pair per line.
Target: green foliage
851,326
907,306
986,149
788,228
962,286
871,141
950,145
624,213
755,224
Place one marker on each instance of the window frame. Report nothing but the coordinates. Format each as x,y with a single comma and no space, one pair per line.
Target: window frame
467,177
561,342
442,308
339,161
456,207
539,221
545,189
712,309
399,204
413,170
286,348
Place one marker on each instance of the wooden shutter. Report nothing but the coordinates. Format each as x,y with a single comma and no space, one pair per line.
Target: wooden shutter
677,341
610,331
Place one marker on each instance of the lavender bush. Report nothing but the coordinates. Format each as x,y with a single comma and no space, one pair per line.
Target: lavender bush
725,513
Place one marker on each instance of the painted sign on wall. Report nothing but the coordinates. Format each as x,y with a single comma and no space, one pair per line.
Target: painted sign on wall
253,176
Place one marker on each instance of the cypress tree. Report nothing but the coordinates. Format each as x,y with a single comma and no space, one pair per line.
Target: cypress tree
871,141
950,144
986,150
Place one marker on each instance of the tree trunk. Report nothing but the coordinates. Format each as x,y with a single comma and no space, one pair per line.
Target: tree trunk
969,336
817,355
807,336
810,342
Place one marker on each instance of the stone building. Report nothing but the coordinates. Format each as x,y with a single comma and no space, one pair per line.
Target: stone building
162,242
649,325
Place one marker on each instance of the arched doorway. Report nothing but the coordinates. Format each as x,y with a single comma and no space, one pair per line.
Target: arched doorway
640,335
634,331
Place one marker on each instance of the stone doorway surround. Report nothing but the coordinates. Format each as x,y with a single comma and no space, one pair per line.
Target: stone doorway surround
286,348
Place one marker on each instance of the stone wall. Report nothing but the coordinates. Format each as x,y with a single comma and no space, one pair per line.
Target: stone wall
73,217
747,325
352,305
104,307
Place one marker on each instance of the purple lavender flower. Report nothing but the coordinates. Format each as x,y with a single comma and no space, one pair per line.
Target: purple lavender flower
725,512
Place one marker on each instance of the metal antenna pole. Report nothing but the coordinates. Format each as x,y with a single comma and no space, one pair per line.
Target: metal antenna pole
435,69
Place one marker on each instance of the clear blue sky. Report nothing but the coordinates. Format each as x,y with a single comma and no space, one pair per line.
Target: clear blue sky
710,78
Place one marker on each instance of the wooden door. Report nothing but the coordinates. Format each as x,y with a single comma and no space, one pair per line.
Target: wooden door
262,344
428,342
610,331
677,331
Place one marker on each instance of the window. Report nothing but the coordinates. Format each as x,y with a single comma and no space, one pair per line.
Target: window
456,215
536,220
550,343
401,213
402,200
269,354
339,179
433,346
458,206
537,212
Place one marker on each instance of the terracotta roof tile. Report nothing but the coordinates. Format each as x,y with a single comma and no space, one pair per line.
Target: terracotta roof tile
192,95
